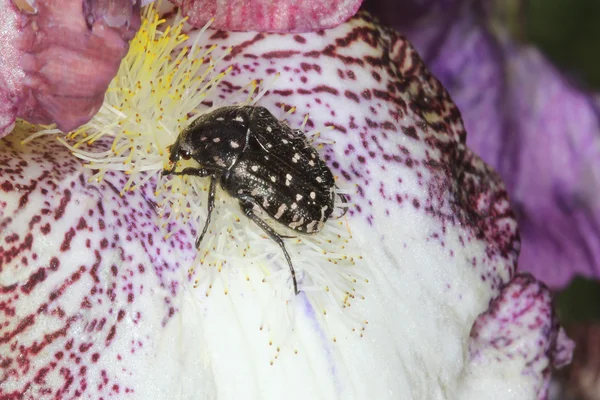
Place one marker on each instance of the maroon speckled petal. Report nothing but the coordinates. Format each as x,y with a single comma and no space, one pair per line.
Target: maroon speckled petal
538,129
269,16
521,327
370,104
58,61
399,137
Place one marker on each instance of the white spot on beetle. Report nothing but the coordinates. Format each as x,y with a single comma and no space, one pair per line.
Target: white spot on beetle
323,209
269,129
269,145
220,119
216,140
297,224
311,226
311,163
294,206
319,179
298,197
234,144
239,119
284,141
273,179
203,138
280,211
266,203
254,168
296,158
313,195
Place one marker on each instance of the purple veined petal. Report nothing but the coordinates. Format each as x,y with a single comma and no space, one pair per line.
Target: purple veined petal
432,221
87,283
58,61
269,16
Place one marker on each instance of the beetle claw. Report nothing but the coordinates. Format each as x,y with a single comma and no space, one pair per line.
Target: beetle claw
166,172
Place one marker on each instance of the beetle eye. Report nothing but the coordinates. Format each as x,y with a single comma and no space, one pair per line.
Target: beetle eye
185,154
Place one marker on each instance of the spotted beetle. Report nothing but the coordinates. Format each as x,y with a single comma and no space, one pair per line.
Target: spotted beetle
262,162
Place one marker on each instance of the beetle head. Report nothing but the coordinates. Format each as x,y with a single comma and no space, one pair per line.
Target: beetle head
215,140
179,150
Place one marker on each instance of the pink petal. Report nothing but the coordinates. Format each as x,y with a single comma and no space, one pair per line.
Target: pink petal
269,15
58,60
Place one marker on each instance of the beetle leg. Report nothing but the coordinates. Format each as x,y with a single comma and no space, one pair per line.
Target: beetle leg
211,206
344,209
247,205
168,172
200,172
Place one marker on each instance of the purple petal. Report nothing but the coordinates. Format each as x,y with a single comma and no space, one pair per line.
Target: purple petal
269,16
557,178
397,13
58,61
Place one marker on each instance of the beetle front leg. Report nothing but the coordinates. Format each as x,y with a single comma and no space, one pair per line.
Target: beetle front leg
247,204
199,172
344,209
211,206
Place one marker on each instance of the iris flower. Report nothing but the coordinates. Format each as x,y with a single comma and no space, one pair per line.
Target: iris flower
413,293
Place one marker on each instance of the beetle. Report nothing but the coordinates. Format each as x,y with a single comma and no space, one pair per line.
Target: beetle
268,166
